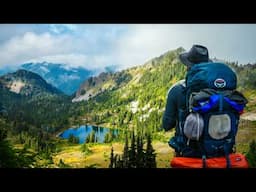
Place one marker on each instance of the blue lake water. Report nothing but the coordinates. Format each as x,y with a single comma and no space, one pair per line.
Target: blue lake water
83,131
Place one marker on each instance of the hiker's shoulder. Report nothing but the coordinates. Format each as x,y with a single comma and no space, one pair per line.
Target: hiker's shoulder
177,87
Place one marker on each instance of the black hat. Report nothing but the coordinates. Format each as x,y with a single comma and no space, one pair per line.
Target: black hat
197,54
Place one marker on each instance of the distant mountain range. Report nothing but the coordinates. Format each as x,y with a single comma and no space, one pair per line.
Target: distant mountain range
65,78
62,76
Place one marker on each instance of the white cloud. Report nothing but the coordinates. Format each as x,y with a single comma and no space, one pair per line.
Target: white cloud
224,41
63,48
77,60
96,46
69,59
143,42
19,49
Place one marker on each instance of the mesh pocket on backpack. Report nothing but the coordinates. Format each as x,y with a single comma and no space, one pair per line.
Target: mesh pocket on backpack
193,127
219,126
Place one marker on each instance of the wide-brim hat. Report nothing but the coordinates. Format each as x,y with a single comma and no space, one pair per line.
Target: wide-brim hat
197,54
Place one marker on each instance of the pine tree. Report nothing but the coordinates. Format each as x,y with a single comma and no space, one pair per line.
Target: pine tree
111,165
150,157
132,153
126,152
140,153
116,164
120,162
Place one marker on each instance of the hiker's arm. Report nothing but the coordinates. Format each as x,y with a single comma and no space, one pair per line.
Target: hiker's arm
170,113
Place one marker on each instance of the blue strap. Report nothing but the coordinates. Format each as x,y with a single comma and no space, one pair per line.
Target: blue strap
235,105
214,100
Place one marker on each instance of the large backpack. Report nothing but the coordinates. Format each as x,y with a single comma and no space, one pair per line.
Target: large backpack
209,118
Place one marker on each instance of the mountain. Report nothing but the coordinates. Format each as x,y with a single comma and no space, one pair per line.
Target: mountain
111,68
6,70
27,83
32,104
96,85
139,94
65,78
133,77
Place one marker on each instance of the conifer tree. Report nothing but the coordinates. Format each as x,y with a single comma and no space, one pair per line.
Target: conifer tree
150,157
140,153
111,165
132,152
126,152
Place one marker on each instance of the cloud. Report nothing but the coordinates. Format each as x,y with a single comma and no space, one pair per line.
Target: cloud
126,45
143,42
92,62
90,46
224,41
19,49
8,31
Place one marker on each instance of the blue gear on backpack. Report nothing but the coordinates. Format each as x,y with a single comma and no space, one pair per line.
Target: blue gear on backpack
211,92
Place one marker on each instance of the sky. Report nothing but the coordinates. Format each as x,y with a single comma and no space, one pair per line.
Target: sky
123,45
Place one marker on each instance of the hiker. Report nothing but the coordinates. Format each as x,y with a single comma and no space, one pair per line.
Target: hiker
205,108
176,98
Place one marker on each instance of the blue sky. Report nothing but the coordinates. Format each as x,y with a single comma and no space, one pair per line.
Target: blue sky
99,45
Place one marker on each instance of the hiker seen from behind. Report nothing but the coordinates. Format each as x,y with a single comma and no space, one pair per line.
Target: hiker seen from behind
204,108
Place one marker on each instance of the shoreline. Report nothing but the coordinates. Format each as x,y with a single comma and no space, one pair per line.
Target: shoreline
103,125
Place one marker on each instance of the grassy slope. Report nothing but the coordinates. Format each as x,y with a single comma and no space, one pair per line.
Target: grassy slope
99,158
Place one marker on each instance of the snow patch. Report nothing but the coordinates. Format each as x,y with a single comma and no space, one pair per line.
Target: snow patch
44,69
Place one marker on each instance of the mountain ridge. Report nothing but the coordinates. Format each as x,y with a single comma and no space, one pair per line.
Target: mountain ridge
27,83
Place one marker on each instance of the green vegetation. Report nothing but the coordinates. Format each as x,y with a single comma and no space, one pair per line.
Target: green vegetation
139,101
